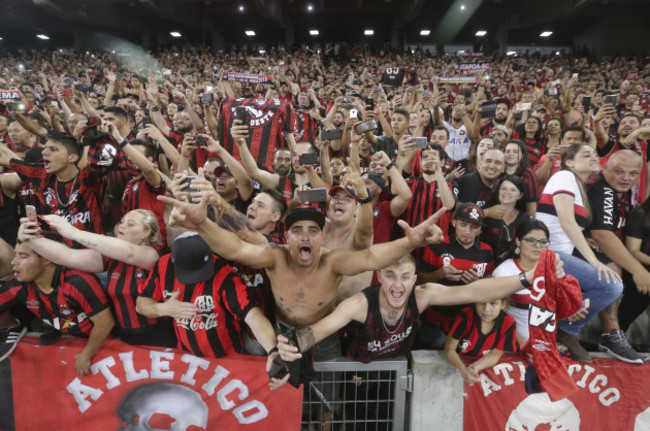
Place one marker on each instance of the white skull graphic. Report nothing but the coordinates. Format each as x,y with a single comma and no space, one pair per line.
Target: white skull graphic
538,409
642,422
163,406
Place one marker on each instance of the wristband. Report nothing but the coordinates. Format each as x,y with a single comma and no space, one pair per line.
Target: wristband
389,166
123,143
522,279
273,350
365,200
155,109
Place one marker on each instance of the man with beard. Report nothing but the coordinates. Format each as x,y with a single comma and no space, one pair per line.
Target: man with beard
503,107
301,176
282,161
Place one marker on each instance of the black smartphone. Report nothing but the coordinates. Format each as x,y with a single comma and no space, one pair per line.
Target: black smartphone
586,102
199,141
610,99
366,126
329,135
207,98
186,184
279,368
83,88
489,109
308,159
241,113
346,100
19,107
312,195
370,103
146,120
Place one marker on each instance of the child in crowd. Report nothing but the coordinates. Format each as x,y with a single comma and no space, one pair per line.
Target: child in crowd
479,336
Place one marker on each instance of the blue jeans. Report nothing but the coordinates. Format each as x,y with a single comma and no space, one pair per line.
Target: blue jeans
600,292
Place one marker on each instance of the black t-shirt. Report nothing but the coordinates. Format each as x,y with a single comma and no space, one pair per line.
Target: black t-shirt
608,211
472,189
635,227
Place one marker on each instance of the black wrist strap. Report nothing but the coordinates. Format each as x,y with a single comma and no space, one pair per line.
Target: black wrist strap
522,279
273,350
389,166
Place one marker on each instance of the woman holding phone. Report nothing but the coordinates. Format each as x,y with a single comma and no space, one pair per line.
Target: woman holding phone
127,258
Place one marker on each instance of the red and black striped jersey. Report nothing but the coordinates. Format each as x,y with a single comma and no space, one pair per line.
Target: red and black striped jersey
472,342
535,148
78,201
123,288
267,120
139,194
77,295
374,339
449,252
425,201
222,301
306,126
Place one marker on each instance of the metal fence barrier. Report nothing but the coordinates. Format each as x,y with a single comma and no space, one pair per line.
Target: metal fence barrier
348,395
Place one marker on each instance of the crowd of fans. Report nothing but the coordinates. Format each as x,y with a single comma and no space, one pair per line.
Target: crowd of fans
210,202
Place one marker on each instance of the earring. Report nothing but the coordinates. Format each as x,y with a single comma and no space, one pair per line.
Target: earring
517,250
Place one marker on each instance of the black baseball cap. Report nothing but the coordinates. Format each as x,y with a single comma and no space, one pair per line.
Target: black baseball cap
469,212
192,259
305,213
377,179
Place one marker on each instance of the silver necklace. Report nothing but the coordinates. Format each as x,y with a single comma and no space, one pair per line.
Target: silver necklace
396,325
56,190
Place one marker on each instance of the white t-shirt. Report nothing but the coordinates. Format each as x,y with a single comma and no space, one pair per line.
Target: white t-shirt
506,269
459,142
561,182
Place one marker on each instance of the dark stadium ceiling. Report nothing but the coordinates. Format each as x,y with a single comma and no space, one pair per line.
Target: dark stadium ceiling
276,21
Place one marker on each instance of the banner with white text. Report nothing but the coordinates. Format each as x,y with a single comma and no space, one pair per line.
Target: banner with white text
612,396
131,388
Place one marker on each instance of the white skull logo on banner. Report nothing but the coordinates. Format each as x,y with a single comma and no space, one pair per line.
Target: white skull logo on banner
163,406
538,409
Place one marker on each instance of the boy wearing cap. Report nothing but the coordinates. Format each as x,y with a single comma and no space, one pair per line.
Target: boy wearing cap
460,259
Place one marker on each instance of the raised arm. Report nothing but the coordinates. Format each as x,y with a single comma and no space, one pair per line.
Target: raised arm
224,243
142,256
239,133
378,256
58,253
244,182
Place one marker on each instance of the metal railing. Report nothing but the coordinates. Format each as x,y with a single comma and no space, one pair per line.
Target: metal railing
348,395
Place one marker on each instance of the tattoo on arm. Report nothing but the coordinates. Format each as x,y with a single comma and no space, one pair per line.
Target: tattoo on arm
305,338
229,218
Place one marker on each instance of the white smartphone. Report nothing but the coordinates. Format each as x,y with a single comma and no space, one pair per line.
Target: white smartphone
353,113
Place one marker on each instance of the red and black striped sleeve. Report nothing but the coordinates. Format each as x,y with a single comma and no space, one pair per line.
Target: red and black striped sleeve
9,291
461,323
234,294
84,288
152,288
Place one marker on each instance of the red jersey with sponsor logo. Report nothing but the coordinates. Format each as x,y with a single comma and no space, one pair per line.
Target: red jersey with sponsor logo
267,120
77,295
374,338
78,201
222,302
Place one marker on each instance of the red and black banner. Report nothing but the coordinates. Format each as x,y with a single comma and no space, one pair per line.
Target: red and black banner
132,388
612,395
